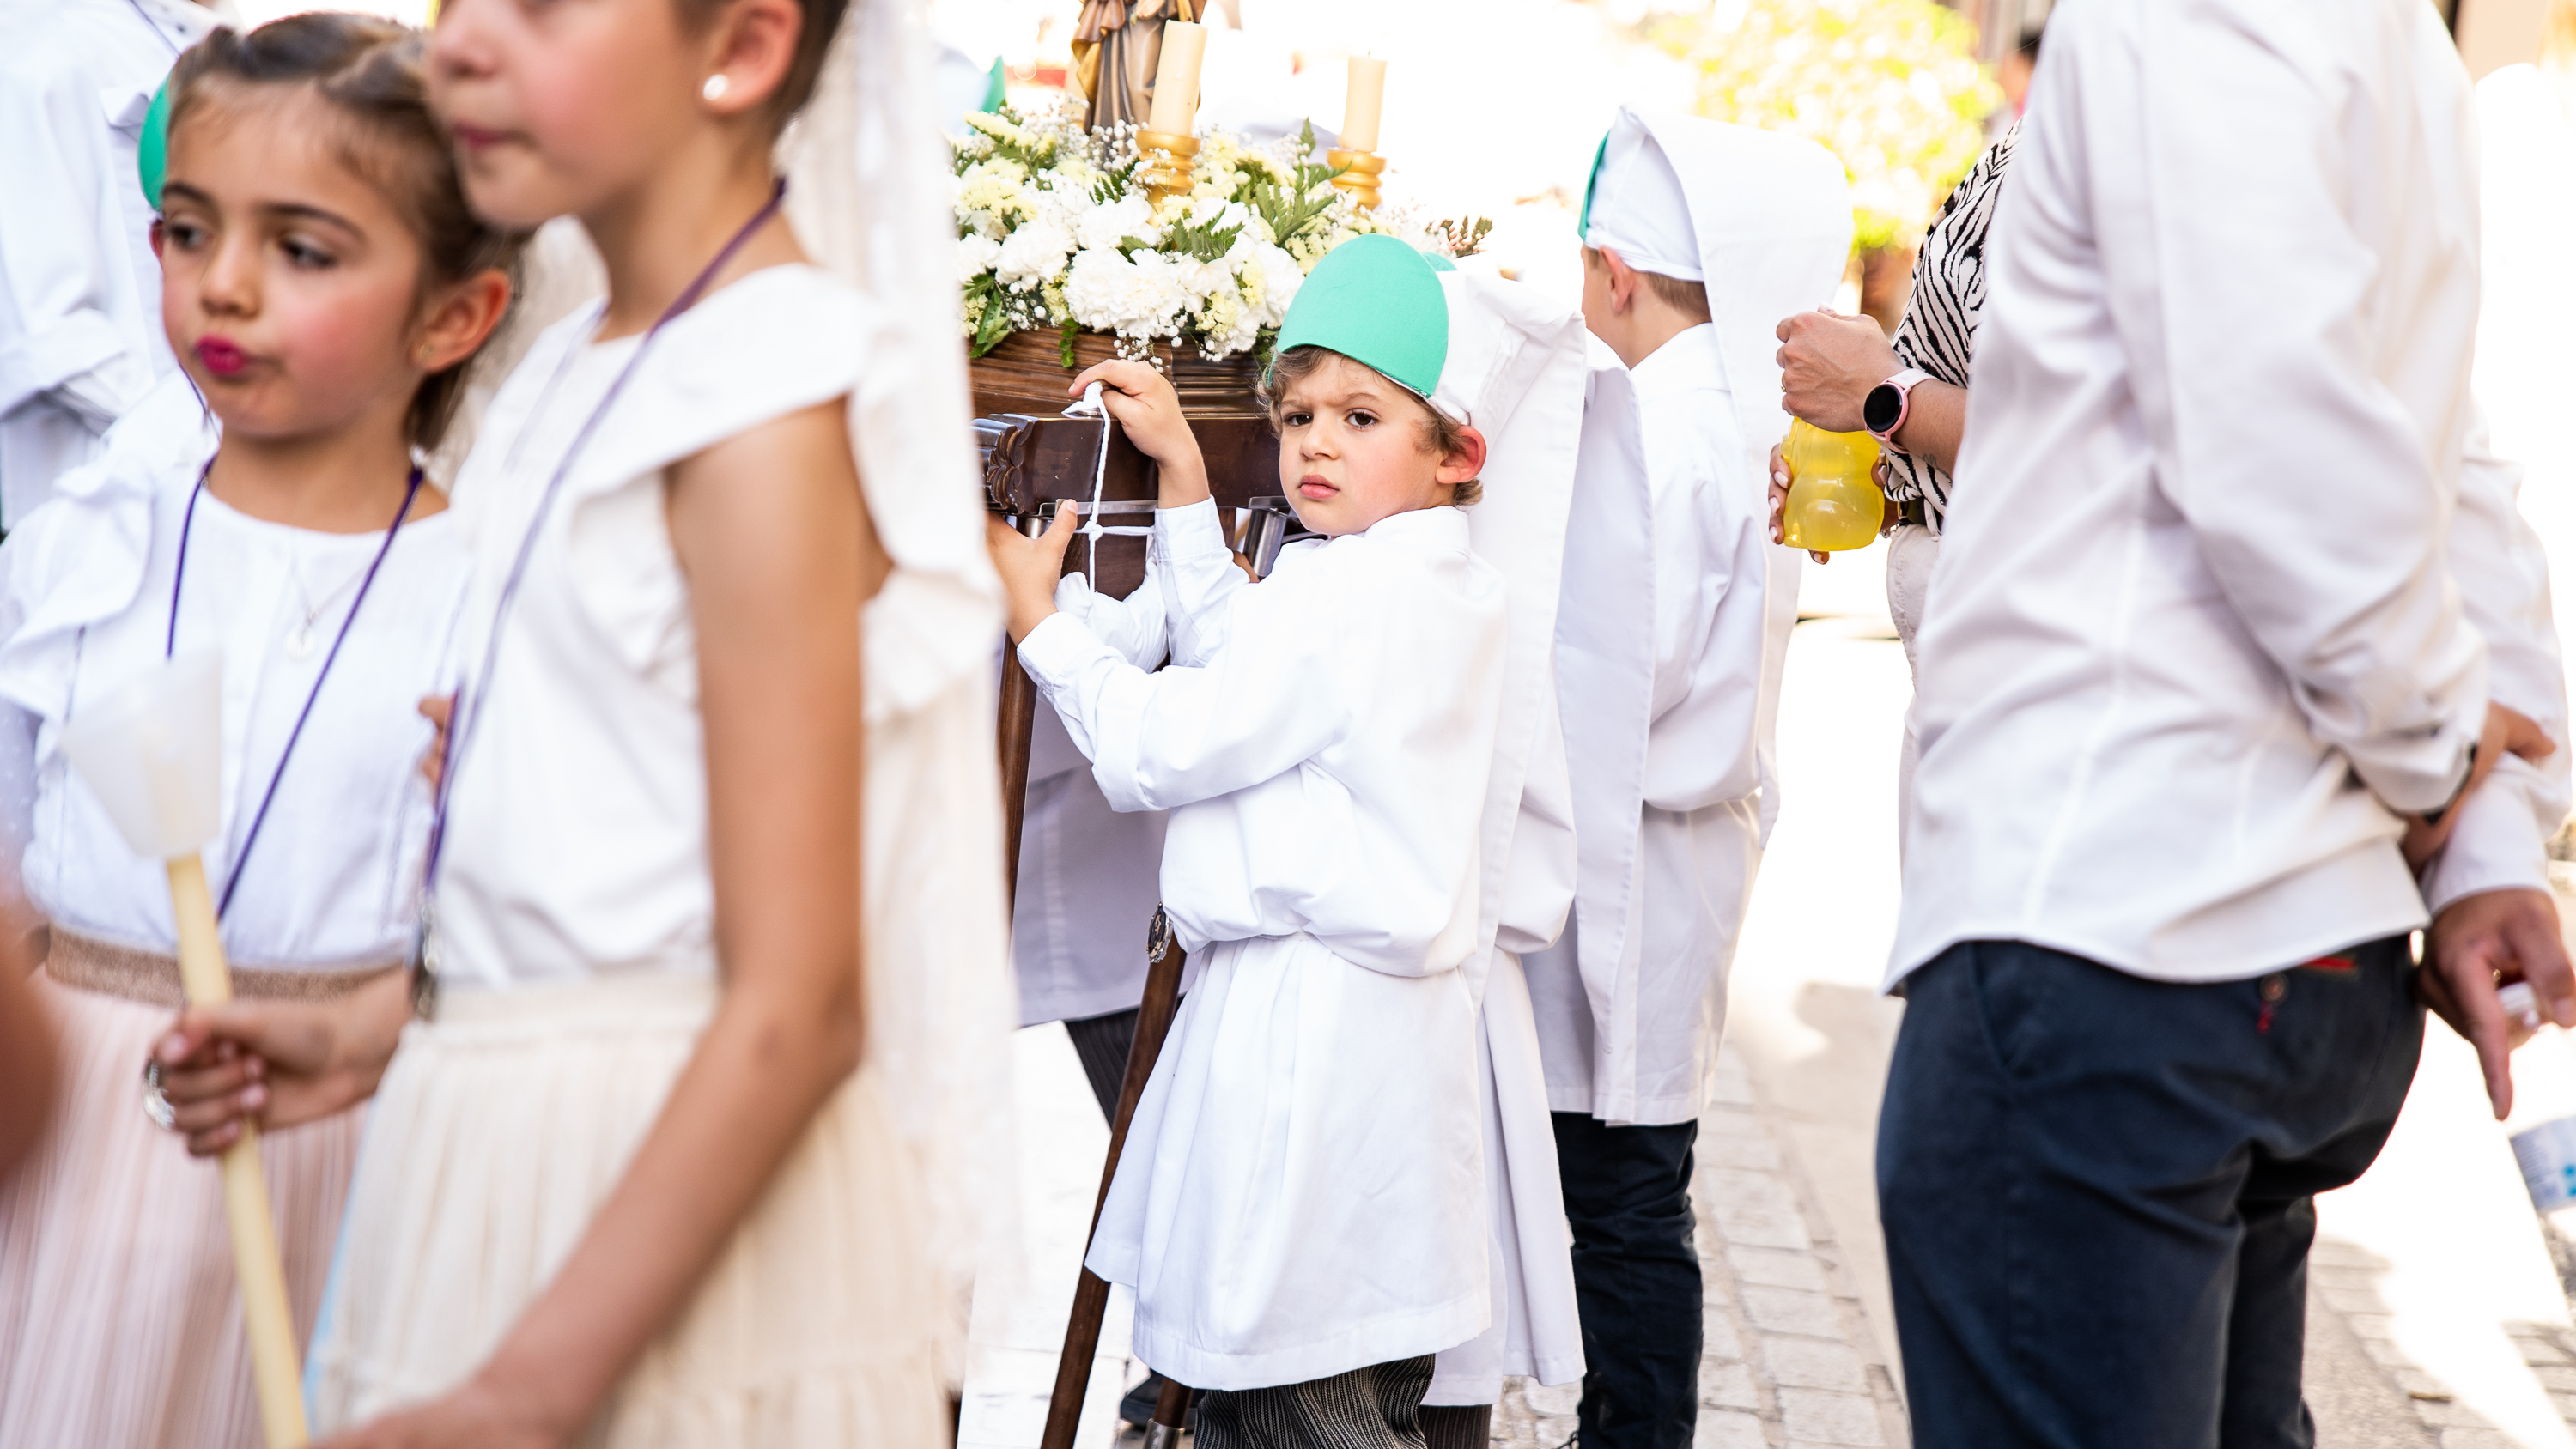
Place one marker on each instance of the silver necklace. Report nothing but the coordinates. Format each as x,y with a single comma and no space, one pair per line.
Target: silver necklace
299,639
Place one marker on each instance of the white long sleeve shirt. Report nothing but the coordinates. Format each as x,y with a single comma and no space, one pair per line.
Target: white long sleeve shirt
80,291
2228,578
1323,740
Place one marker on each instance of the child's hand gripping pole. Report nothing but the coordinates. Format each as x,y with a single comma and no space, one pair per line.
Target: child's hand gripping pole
152,751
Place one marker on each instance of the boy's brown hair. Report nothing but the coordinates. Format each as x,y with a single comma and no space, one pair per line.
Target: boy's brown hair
1688,298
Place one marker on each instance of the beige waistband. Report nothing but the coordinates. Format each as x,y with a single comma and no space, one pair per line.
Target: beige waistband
87,963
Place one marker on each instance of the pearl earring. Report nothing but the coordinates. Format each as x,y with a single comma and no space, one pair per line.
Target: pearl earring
716,86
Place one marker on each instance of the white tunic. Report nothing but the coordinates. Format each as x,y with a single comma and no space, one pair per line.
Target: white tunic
1660,650
2228,576
85,599
1303,1191
80,291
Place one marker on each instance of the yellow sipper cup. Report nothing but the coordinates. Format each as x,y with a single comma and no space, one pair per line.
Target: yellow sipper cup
1834,500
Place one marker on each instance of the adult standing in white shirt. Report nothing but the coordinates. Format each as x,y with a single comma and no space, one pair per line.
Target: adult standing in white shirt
2234,625
80,291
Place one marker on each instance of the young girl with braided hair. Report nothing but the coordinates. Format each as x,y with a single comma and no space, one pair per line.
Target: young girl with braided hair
324,288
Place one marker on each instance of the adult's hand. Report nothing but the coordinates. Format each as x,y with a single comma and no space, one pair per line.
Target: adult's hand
1829,363
2476,944
2506,732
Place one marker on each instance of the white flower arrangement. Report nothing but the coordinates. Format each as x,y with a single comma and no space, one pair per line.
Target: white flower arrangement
1054,234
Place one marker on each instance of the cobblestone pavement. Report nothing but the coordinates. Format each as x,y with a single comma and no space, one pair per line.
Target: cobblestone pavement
1790,1359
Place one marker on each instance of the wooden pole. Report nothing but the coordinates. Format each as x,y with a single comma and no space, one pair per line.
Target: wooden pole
1019,719
262,1277
1091,1294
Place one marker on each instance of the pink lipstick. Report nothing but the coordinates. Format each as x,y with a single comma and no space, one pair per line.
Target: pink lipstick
221,356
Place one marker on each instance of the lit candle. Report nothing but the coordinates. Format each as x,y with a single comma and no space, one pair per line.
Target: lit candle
1367,97
1176,78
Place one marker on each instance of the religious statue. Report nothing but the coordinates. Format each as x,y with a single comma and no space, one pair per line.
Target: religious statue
1116,46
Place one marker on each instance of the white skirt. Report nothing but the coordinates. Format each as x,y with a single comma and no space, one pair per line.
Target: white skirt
498,1132
119,1324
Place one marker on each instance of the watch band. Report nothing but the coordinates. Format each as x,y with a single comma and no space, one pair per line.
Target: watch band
1894,400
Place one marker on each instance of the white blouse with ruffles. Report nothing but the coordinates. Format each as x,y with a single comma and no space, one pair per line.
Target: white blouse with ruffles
85,603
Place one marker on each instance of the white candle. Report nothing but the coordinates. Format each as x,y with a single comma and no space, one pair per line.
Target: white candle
1176,78
1367,97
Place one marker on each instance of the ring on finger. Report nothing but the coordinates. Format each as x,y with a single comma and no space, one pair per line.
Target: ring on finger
156,1104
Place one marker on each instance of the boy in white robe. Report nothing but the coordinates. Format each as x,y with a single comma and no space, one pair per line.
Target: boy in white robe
1698,237
1302,1205
80,291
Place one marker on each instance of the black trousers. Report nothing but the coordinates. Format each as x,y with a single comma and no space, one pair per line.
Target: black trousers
2098,1190
1636,1279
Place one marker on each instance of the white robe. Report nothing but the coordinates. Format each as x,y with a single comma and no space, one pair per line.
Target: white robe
1661,644
1303,1189
2230,575
80,291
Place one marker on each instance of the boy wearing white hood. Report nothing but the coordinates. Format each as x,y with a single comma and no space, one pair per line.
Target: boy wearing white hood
1303,1202
1698,237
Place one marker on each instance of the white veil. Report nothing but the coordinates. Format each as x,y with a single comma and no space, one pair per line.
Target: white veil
868,197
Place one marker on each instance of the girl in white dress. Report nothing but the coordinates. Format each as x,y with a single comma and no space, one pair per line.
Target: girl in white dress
627,1181
325,285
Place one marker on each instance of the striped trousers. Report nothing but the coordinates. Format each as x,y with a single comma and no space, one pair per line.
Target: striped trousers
1377,1407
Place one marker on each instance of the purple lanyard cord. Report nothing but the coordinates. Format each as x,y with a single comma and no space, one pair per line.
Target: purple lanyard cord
170,646
466,714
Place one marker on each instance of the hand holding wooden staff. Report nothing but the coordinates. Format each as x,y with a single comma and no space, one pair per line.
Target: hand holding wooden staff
152,751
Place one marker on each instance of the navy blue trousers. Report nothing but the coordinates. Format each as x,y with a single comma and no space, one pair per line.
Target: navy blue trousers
1636,1279
2098,1190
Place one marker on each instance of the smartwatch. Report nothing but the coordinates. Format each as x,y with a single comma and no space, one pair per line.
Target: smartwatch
1885,409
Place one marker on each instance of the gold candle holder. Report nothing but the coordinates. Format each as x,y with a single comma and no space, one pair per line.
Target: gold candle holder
1360,171
1165,164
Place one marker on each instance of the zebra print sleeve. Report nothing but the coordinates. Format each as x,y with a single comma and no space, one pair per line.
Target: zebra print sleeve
1940,325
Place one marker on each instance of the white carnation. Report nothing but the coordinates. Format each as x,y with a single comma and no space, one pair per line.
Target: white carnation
976,255
1103,227
1033,254
1110,293
1272,274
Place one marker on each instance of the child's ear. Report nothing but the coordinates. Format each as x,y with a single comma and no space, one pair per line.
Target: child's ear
460,321
1464,463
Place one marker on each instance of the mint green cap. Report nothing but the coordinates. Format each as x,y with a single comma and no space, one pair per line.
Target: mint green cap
152,150
1376,301
1439,263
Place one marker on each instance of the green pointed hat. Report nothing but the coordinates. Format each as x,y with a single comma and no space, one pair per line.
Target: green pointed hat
152,151
1374,300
